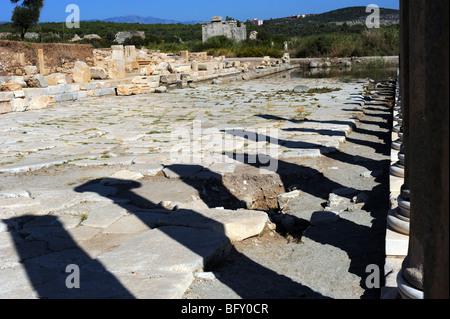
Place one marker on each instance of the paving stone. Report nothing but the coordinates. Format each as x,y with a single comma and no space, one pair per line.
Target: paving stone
179,249
66,221
236,225
14,284
122,177
150,169
83,233
102,216
133,224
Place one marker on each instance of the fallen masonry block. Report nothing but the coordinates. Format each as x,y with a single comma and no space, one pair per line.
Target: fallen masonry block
169,79
5,107
6,96
10,87
161,89
98,73
30,70
129,89
81,72
236,225
37,81
41,102
116,69
19,105
56,79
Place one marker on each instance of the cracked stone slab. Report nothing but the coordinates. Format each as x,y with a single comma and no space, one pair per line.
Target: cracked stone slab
179,249
134,224
236,225
104,215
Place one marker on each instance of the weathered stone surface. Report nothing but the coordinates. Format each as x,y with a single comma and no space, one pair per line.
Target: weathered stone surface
98,73
81,72
37,81
116,69
6,96
134,224
301,88
236,225
147,169
56,79
324,218
122,177
10,87
179,249
181,171
103,215
41,102
284,199
5,107
161,89
97,284
30,70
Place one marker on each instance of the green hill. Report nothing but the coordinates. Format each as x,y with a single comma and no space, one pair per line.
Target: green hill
350,15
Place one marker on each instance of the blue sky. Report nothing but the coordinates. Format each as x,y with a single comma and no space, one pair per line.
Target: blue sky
184,10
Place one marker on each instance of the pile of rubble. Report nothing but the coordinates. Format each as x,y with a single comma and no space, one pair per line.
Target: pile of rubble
122,71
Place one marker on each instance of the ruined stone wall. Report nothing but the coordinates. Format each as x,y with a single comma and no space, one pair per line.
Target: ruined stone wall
226,28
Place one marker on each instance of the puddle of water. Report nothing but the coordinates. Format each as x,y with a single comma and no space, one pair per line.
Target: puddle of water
341,73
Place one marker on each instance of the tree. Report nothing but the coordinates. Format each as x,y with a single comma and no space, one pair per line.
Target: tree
26,15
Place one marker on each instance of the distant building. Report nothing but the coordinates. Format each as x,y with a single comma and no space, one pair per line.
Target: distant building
230,29
257,22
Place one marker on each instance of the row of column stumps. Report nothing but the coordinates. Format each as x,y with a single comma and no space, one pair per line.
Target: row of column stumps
399,216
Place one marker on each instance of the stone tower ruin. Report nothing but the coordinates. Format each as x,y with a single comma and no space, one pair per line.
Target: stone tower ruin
229,29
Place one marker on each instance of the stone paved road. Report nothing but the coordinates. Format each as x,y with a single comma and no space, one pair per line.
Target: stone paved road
112,184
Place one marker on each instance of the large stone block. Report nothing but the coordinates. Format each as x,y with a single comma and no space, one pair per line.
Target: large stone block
6,96
98,73
5,107
10,87
19,105
81,72
56,79
116,69
30,70
41,102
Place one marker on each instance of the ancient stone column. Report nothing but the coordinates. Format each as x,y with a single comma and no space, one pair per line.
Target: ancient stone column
424,272
41,62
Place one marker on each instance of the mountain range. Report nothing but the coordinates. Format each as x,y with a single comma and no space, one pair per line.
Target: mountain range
133,18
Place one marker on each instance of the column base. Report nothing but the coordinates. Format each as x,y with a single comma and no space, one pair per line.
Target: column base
391,268
406,290
398,170
398,223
